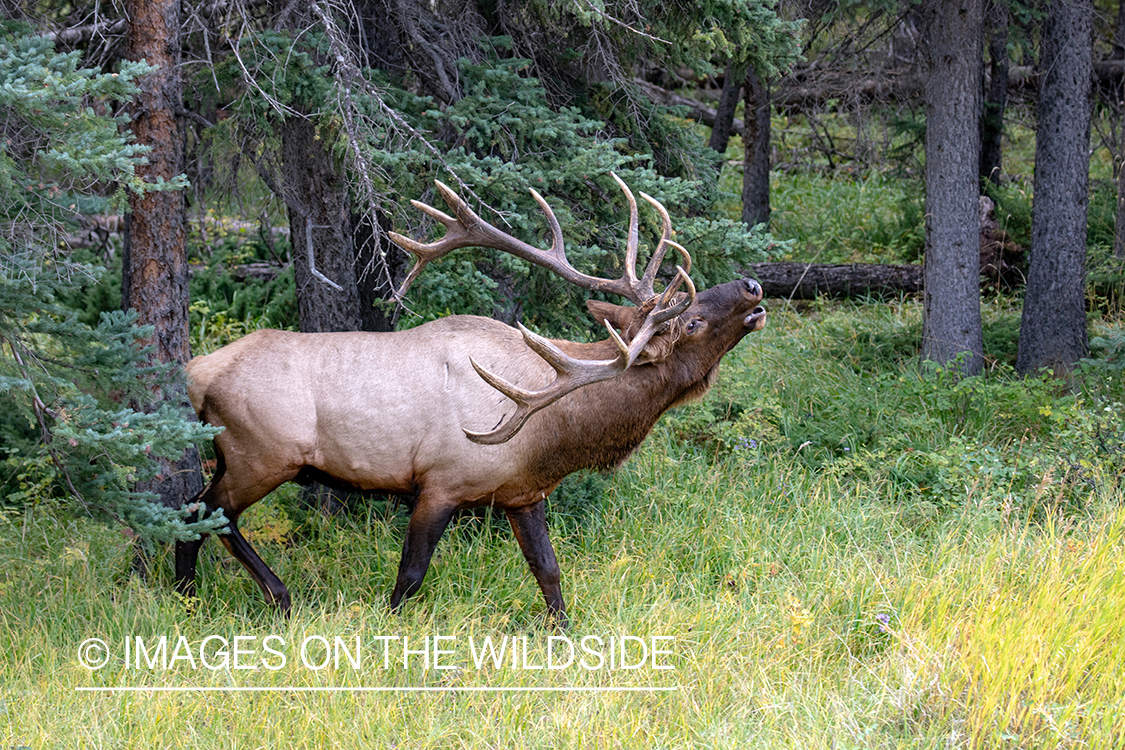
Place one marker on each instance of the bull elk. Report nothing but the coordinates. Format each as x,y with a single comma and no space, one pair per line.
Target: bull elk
463,411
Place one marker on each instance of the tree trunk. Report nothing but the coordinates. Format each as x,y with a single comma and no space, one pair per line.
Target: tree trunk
756,167
1119,214
951,320
996,97
1119,217
724,115
1118,52
155,272
1053,325
317,194
380,267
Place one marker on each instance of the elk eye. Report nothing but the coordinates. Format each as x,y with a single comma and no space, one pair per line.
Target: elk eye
695,324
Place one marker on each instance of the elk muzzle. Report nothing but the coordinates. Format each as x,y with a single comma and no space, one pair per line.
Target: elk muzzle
756,320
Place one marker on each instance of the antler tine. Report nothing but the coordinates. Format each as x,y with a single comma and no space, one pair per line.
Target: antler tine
570,374
661,313
558,249
658,255
458,233
631,244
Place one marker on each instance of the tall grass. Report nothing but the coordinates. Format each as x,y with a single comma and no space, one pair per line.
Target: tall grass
844,219
843,554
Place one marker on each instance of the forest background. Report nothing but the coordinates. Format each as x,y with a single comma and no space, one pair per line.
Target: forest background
895,522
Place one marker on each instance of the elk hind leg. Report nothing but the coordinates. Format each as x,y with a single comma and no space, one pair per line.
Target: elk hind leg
530,527
272,588
427,524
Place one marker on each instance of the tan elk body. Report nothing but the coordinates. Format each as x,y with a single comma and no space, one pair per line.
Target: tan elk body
463,411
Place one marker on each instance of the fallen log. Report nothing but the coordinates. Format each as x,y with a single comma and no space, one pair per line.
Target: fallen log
792,280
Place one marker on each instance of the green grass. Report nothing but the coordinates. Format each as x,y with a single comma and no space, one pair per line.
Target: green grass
842,219
843,554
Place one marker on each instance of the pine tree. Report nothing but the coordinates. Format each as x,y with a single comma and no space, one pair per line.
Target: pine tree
68,431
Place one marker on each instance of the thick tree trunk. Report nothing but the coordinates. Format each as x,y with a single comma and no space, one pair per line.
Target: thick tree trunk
791,280
756,167
996,96
317,195
724,114
1053,326
951,320
155,271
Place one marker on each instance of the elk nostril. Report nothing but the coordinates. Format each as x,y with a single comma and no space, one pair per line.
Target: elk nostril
753,287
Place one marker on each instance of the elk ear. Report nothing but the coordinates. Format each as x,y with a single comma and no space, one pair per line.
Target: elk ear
619,316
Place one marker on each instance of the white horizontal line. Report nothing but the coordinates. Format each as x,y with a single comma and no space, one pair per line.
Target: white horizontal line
376,689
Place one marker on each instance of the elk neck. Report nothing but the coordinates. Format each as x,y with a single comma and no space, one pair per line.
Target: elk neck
599,426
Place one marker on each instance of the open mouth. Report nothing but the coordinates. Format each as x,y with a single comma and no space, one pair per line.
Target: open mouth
756,320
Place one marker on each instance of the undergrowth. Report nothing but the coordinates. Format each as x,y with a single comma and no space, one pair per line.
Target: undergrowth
840,551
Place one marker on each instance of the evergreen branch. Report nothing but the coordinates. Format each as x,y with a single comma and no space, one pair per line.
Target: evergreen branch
594,9
41,412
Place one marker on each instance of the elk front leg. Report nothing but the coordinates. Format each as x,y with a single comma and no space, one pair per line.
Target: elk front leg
530,527
187,553
427,524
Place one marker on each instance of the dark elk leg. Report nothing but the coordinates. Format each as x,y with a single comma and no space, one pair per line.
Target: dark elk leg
426,526
530,527
272,587
187,553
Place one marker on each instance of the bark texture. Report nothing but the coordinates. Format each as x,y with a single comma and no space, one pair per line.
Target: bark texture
724,115
810,280
1118,82
951,322
1053,325
996,92
316,194
756,166
155,271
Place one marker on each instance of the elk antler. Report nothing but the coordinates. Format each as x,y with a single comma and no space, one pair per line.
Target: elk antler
571,374
466,229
